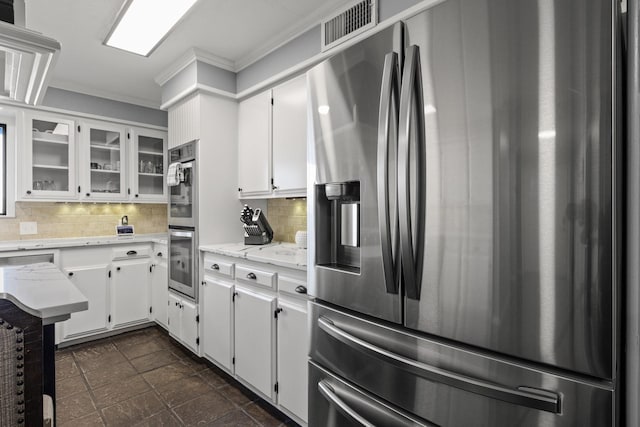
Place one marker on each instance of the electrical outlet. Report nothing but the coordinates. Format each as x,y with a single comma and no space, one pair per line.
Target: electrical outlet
30,227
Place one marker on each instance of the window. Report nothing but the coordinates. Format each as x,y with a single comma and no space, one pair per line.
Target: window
3,169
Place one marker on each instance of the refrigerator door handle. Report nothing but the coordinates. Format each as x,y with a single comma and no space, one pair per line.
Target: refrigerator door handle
327,392
410,98
387,123
523,396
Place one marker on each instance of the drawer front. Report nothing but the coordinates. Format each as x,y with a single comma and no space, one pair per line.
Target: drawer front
218,266
292,286
132,251
256,276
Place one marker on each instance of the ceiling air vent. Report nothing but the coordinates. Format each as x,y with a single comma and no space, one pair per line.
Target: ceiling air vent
348,23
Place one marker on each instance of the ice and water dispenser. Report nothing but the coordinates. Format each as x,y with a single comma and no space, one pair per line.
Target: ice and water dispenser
338,225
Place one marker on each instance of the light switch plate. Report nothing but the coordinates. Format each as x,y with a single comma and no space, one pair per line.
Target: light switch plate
29,227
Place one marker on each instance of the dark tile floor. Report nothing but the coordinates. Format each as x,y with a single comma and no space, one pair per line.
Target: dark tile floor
144,378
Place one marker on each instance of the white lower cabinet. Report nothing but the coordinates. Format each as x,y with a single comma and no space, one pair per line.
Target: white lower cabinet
92,281
117,289
254,325
130,292
160,286
217,315
292,356
255,339
183,321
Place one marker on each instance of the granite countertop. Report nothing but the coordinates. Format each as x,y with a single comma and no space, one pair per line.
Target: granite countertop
276,253
41,290
20,245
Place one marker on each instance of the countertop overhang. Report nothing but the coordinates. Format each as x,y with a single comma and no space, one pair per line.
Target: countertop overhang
41,290
281,254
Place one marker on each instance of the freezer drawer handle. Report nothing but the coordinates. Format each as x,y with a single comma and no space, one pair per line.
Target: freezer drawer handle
524,396
327,392
336,396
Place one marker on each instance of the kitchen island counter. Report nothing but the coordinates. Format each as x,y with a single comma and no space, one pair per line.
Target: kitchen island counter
41,290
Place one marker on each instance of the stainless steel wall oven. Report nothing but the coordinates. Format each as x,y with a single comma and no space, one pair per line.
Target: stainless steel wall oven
183,219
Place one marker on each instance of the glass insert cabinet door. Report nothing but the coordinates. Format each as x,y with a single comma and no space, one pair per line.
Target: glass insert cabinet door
50,158
105,161
149,165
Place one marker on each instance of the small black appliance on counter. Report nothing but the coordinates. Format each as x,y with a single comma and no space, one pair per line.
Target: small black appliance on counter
257,230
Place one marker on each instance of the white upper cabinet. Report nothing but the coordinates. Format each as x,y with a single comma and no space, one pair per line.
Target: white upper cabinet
48,158
254,145
290,137
62,159
272,142
148,166
103,161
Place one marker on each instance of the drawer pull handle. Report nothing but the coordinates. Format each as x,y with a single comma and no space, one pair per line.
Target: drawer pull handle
159,254
71,273
215,267
132,253
251,276
301,289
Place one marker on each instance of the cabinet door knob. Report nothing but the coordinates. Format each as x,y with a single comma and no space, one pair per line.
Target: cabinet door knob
251,276
117,268
136,195
70,273
159,254
301,289
215,267
88,194
28,191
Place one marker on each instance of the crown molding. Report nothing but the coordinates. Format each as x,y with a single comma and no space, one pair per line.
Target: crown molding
191,55
113,96
196,88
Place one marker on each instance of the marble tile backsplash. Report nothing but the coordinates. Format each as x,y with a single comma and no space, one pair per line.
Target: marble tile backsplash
287,216
59,220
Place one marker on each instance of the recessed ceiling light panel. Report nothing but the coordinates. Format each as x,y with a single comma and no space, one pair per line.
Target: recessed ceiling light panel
143,24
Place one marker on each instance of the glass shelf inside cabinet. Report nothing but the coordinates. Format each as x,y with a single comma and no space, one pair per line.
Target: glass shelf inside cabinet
50,155
105,161
150,165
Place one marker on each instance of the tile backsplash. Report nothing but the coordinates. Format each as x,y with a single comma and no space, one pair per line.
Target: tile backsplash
287,216
57,220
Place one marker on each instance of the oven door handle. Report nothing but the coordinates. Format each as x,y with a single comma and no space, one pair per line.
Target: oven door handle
181,233
523,396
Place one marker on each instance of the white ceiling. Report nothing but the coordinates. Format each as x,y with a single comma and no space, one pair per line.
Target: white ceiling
236,31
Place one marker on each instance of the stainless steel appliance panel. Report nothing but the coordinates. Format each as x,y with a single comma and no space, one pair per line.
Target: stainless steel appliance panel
183,205
345,104
183,261
518,139
441,383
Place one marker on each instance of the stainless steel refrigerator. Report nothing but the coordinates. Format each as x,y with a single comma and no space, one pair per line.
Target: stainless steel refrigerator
464,219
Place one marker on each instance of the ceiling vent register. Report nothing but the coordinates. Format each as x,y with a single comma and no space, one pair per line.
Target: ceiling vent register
349,23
